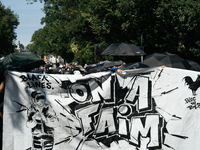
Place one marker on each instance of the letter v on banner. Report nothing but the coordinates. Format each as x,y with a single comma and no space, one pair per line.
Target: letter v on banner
140,93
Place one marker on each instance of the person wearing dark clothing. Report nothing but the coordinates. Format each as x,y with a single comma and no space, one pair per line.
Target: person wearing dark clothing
48,65
92,70
78,68
56,70
45,70
38,70
63,70
2,91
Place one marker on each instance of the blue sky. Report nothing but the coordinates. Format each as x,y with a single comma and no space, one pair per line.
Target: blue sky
29,17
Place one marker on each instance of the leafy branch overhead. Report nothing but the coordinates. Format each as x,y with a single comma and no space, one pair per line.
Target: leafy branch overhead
8,23
170,26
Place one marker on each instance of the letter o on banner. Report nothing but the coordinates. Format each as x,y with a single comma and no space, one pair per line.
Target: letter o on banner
79,92
124,110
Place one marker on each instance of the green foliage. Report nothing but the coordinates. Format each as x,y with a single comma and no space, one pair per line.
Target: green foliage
179,22
39,45
166,25
8,24
85,55
21,46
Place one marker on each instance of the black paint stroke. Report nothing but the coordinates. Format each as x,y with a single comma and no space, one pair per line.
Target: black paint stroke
169,91
179,136
67,139
160,73
174,116
21,107
168,146
70,112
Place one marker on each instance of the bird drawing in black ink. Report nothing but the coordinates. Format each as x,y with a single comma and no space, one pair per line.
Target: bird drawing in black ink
193,85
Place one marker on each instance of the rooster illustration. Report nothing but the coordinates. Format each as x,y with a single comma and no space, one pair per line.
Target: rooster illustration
193,85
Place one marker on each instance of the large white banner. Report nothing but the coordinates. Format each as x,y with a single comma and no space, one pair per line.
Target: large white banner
145,109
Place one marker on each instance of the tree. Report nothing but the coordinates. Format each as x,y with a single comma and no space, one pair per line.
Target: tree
170,26
62,27
166,25
181,27
8,24
21,46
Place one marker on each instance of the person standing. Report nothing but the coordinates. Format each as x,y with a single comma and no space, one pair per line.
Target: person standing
45,70
2,91
56,69
62,71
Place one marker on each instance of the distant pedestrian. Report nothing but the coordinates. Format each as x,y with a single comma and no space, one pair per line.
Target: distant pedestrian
56,69
77,67
92,70
63,70
45,70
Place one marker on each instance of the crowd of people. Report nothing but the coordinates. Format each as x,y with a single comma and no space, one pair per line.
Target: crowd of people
72,68
59,68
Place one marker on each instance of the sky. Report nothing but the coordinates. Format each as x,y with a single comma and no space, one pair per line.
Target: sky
29,17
